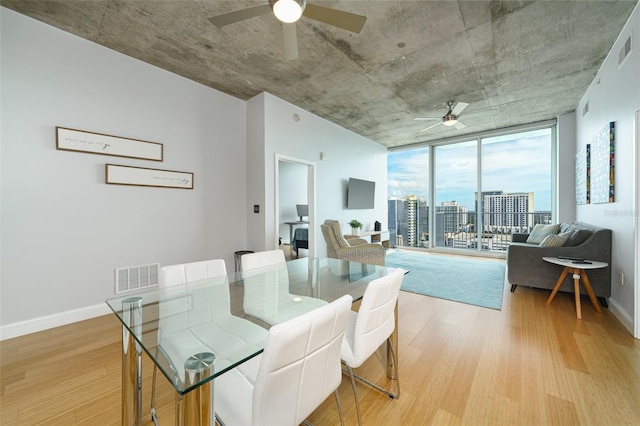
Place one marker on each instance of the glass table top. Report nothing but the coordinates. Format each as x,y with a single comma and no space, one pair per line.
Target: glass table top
179,326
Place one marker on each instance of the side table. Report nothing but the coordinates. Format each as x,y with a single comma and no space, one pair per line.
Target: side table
578,268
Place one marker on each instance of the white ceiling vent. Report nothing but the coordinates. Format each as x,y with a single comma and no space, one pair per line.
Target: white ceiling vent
624,51
136,277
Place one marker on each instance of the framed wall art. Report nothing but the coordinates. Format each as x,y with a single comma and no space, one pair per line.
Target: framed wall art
602,165
140,176
98,143
583,175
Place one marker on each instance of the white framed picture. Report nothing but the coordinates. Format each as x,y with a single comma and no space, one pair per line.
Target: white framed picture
140,176
99,143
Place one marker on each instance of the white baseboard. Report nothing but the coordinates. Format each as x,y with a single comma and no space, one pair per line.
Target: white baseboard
44,323
621,314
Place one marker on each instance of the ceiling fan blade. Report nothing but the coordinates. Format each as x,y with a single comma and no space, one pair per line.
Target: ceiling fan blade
430,127
338,18
427,118
290,40
240,15
460,106
459,125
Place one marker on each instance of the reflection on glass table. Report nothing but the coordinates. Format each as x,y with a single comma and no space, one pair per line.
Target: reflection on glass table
196,331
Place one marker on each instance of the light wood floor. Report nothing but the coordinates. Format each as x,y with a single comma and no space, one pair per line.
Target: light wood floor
528,364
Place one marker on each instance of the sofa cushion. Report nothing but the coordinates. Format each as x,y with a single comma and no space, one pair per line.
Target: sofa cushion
553,240
578,237
540,231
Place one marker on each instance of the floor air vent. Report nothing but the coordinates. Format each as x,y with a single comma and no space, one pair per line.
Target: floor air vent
136,277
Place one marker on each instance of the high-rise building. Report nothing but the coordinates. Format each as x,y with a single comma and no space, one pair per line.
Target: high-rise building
454,216
408,220
502,210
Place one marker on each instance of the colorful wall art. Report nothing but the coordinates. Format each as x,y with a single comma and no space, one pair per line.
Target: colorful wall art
583,159
602,166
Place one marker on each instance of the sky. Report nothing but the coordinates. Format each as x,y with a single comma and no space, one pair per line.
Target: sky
513,163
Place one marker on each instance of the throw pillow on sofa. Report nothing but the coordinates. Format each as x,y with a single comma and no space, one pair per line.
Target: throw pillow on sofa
578,237
555,240
578,234
541,231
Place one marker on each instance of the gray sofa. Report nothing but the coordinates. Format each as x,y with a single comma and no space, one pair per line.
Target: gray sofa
526,267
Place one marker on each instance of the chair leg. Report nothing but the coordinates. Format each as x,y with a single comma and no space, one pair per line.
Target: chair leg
395,367
159,351
154,416
383,391
339,404
355,392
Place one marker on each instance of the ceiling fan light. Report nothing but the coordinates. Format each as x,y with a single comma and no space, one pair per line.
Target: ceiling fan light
450,121
288,11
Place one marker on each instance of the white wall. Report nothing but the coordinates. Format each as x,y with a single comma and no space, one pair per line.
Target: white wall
347,155
63,229
614,95
565,170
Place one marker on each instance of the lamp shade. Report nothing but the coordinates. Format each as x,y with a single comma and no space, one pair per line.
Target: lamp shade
288,10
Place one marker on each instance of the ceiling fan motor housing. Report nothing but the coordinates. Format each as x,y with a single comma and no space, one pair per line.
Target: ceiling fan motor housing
449,119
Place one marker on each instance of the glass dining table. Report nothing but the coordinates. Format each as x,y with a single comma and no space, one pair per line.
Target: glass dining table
197,331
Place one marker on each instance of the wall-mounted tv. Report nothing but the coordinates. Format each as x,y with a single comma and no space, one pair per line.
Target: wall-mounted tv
360,194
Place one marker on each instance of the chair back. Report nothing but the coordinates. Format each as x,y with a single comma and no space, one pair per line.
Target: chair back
262,259
214,304
206,292
376,319
300,365
332,233
188,272
266,284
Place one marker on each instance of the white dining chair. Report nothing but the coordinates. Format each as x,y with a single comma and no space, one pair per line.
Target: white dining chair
266,289
207,324
370,327
299,368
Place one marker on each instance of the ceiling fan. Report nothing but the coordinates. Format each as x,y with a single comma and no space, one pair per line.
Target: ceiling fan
449,119
288,12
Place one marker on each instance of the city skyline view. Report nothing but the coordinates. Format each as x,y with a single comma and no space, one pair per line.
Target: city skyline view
512,163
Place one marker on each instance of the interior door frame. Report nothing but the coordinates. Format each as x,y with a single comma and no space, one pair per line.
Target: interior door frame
311,197
636,220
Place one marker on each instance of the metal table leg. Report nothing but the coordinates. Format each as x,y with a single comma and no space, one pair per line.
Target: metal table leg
195,408
131,362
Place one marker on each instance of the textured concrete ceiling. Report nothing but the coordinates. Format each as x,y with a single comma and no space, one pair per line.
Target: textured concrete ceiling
514,62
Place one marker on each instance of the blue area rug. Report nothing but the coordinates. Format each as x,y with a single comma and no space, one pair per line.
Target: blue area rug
475,281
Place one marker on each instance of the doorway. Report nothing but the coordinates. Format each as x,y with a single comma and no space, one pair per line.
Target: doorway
636,268
294,197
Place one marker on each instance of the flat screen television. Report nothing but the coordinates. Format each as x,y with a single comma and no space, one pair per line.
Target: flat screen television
303,210
360,194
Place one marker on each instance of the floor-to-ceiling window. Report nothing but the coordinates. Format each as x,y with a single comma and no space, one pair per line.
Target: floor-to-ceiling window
516,185
455,178
408,190
482,189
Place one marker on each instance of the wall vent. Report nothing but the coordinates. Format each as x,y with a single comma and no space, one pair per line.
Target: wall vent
585,109
136,277
624,51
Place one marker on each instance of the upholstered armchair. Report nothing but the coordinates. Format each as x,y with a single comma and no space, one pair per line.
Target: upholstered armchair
351,249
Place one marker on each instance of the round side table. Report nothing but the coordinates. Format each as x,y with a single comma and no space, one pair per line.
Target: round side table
578,269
